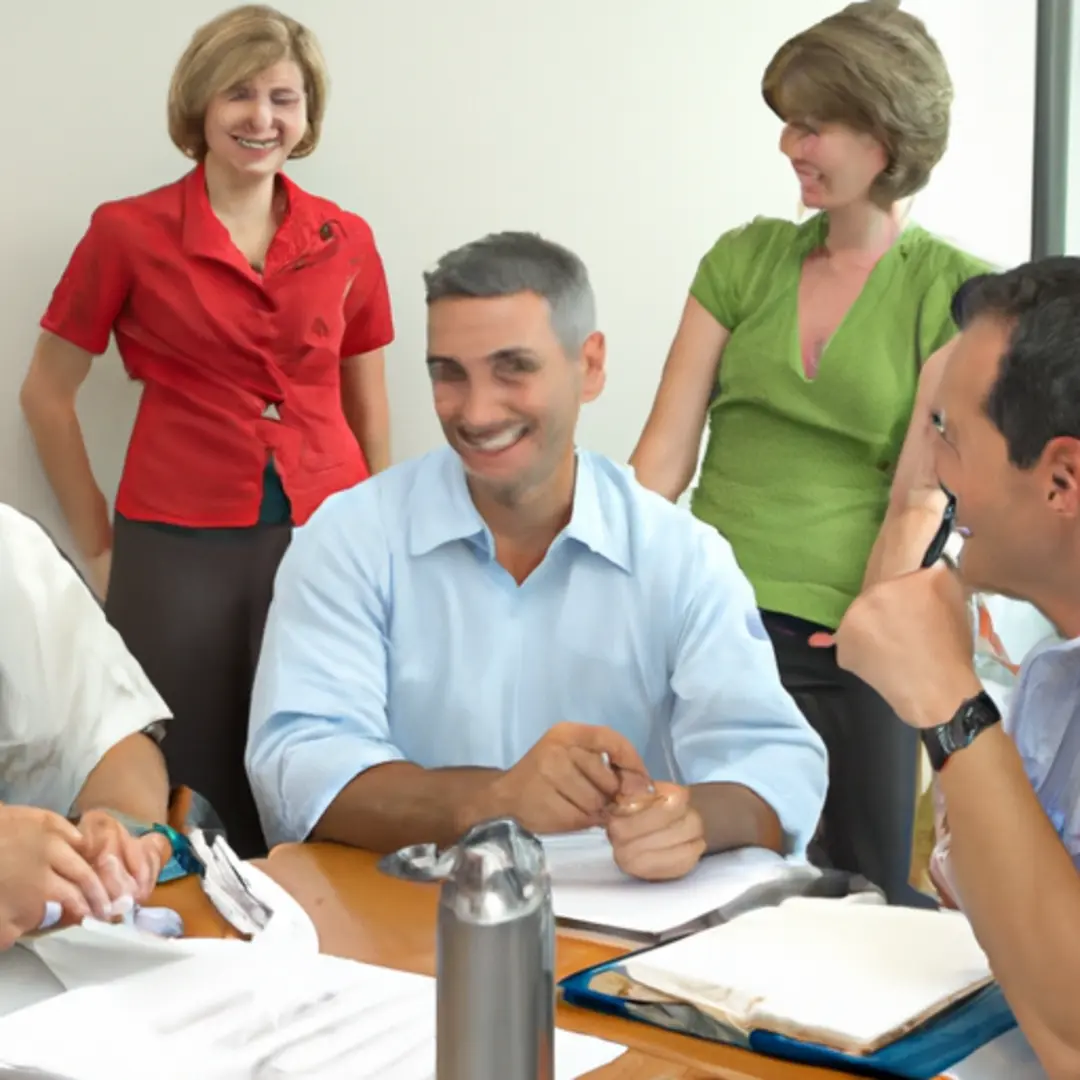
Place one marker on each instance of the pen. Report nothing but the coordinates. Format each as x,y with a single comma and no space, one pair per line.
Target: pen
618,770
937,546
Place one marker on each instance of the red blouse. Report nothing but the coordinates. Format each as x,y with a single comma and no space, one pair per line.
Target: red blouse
236,365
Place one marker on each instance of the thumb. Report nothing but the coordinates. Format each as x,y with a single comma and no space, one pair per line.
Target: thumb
822,640
636,791
634,785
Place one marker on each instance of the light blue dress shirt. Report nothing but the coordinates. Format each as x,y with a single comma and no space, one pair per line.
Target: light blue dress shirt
1043,720
395,635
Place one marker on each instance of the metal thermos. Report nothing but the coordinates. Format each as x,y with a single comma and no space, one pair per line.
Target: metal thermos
496,959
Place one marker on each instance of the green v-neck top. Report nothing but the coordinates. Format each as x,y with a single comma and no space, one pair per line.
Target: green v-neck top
797,471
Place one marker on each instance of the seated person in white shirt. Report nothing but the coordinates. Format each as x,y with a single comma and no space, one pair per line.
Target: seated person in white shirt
510,626
1007,445
79,730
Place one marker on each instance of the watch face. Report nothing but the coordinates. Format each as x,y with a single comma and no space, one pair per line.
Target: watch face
953,737
976,715
971,718
970,724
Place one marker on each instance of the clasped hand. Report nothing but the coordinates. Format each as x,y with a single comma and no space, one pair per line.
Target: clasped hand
912,639
579,776
82,868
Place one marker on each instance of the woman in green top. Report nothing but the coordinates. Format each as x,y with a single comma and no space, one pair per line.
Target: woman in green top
813,350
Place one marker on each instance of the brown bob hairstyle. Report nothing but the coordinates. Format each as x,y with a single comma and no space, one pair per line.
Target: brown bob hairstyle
875,69
232,48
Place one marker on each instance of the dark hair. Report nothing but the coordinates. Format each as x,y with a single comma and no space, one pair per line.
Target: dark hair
1036,395
508,263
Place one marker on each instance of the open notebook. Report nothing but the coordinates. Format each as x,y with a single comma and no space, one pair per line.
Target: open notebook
852,981
590,893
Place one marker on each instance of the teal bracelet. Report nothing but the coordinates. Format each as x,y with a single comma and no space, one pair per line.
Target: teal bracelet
184,861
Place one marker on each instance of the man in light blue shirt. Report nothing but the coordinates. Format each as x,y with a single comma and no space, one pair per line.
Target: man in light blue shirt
512,626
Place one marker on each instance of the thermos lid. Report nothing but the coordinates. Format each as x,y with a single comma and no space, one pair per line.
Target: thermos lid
496,873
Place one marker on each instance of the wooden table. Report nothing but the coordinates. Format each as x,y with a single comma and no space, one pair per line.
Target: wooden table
363,915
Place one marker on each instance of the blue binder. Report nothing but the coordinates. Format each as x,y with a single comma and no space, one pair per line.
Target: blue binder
922,1055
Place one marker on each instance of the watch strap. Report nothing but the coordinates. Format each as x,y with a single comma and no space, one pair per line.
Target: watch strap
973,717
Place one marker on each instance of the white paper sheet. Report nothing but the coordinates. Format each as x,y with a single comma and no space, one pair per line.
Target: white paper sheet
857,971
24,980
588,887
96,952
234,1012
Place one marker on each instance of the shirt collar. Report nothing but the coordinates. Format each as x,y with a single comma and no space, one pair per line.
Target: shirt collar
300,231
598,520
440,507
442,512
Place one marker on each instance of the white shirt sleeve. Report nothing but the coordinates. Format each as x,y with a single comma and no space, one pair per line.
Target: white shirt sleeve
69,688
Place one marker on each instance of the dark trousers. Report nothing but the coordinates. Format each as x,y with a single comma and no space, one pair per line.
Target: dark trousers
866,827
191,605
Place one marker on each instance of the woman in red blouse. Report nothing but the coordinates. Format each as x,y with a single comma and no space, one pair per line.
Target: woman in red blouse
255,315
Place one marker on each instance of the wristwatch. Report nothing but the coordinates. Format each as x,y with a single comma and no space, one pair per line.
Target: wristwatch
972,718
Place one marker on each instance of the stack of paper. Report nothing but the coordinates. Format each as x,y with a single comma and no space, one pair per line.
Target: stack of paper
847,976
235,1012
591,893
24,980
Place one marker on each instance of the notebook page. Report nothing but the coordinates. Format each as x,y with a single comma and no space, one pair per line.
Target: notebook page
844,974
588,887
241,1013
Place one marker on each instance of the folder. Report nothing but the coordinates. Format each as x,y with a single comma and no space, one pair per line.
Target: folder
593,898
880,991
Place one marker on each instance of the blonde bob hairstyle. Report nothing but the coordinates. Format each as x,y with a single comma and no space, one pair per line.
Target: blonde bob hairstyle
877,70
232,48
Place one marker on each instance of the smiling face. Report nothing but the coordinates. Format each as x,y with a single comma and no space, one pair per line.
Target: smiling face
835,165
1019,521
252,127
506,393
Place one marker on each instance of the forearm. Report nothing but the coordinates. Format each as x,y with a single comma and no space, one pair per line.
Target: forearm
59,441
903,539
662,465
1021,891
372,432
367,408
397,804
131,778
735,817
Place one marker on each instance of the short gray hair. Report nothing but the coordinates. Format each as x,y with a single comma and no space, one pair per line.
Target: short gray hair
508,263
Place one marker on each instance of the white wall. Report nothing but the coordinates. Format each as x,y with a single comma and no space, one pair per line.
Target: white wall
633,132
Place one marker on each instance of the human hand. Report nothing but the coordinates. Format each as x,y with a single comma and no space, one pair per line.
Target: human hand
568,780
98,570
911,638
659,838
42,860
127,865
